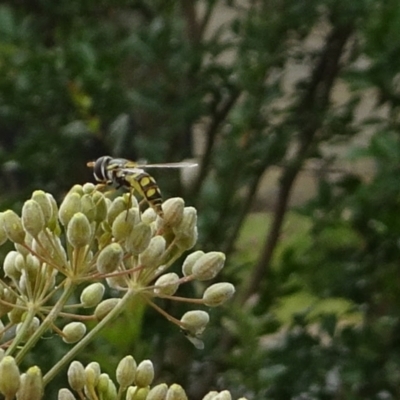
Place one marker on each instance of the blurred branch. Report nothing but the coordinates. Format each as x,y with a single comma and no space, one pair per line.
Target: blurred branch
211,135
308,118
192,26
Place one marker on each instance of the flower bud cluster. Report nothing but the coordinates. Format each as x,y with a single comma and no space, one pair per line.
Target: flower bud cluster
89,381
133,382
26,386
91,240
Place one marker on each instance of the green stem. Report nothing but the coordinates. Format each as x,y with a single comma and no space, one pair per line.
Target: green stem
87,339
21,332
47,322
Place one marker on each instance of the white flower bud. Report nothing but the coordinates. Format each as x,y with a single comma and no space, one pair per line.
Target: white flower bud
125,372
10,265
65,394
176,392
32,218
173,211
149,216
144,374
208,266
69,207
110,258
92,374
79,231
152,256
187,267
73,332
92,295
158,392
9,377
224,395
167,284
31,387
195,321
13,228
105,307
217,294
124,223
139,238
76,376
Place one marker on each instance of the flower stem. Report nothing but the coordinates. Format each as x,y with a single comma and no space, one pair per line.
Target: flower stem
88,338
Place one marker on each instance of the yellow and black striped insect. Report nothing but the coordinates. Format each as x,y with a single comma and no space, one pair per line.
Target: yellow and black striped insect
121,172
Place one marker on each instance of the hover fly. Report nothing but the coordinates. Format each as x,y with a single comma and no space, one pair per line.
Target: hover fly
132,176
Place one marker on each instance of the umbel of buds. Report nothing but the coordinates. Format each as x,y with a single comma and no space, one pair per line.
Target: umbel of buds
76,250
132,379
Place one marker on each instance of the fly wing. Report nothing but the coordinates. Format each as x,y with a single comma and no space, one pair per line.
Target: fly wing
166,165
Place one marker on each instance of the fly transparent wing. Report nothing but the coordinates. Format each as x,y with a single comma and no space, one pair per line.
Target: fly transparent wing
134,168
181,164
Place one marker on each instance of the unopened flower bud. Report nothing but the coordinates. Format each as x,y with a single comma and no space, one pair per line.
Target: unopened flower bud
13,227
88,188
117,206
92,295
125,372
195,321
137,393
43,200
92,374
3,235
65,394
149,216
186,231
176,392
124,223
224,395
208,266
32,218
32,387
73,332
139,238
117,282
173,211
88,207
187,267
69,207
9,377
76,376
100,203
53,224
158,392
10,265
32,328
78,231
103,385
110,258
210,395
78,189
152,256
104,308
217,294
167,284
144,374
111,393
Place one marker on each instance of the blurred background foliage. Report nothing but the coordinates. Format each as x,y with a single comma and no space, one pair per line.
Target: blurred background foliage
291,109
